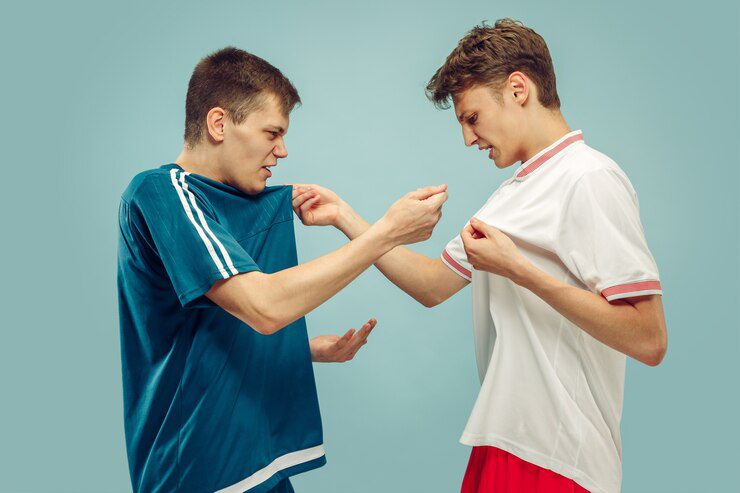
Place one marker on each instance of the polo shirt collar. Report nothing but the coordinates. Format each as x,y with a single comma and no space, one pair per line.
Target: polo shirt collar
548,153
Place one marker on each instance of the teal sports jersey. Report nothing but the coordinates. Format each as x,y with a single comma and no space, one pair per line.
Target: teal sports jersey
210,404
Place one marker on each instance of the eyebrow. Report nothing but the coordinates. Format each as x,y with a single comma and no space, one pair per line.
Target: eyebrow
280,129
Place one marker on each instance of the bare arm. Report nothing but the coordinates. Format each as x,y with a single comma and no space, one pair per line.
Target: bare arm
427,280
635,327
268,302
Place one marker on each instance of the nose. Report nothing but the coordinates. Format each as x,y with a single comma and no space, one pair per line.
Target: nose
469,136
280,151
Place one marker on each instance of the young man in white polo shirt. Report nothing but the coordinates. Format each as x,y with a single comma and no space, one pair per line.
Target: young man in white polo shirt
564,285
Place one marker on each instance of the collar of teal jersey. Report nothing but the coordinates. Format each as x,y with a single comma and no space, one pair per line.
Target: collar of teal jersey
546,154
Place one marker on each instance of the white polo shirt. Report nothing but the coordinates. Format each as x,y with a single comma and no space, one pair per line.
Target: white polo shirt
550,393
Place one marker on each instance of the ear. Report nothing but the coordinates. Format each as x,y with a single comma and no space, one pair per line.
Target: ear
518,86
215,120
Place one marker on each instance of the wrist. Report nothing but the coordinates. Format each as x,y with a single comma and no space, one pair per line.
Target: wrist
346,217
381,233
349,222
524,273
315,356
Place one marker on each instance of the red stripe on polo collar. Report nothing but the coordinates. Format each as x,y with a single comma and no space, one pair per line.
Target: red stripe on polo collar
543,156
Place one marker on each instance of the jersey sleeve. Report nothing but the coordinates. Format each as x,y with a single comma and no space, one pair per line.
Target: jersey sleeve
455,258
195,249
601,239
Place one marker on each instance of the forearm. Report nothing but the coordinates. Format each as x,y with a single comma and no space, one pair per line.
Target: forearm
269,302
408,270
620,325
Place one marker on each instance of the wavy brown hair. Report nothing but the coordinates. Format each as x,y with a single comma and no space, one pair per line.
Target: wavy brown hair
236,81
487,55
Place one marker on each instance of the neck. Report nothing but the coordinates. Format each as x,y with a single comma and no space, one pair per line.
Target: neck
200,161
547,128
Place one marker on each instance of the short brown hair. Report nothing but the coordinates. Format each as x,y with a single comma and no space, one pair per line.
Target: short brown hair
236,81
488,55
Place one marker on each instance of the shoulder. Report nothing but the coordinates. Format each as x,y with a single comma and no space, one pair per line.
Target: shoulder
590,168
148,185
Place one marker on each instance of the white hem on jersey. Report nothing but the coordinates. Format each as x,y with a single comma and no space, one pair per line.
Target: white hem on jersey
279,464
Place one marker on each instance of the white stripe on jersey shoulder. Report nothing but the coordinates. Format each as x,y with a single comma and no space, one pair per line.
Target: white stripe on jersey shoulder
203,223
282,462
189,213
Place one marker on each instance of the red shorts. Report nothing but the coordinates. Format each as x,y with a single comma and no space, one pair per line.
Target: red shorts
491,470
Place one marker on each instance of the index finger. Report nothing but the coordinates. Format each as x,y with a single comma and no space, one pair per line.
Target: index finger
345,339
437,200
360,337
426,192
467,233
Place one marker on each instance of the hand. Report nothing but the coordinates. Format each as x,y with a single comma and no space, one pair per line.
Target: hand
492,251
413,217
317,206
335,349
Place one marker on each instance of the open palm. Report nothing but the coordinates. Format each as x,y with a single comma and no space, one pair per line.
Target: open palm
316,205
335,349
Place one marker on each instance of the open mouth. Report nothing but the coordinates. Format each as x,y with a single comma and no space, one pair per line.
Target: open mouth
267,170
490,150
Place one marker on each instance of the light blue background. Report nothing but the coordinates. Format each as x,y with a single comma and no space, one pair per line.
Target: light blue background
93,92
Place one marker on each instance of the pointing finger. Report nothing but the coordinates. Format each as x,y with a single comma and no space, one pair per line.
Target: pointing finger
426,192
437,200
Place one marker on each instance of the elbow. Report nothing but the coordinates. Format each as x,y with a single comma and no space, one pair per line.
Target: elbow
654,357
258,322
428,302
654,351
430,299
262,320
267,324
259,311
264,326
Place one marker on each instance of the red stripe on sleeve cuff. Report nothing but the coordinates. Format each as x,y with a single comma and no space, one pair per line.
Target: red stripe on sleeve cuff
641,288
454,265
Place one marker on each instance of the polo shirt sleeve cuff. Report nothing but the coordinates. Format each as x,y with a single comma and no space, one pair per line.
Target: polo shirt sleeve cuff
631,289
456,267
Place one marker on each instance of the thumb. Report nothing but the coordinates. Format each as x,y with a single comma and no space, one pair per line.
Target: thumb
483,228
466,235
426,192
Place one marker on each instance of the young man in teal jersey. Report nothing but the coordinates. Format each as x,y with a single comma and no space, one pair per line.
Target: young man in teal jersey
219,393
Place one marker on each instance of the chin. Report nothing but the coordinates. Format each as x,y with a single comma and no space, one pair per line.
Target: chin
258,188
502,162
253,188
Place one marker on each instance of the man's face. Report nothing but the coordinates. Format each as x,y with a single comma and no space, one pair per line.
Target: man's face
491,123
252,147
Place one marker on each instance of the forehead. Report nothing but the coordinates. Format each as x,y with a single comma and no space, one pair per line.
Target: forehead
472,99
269,113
